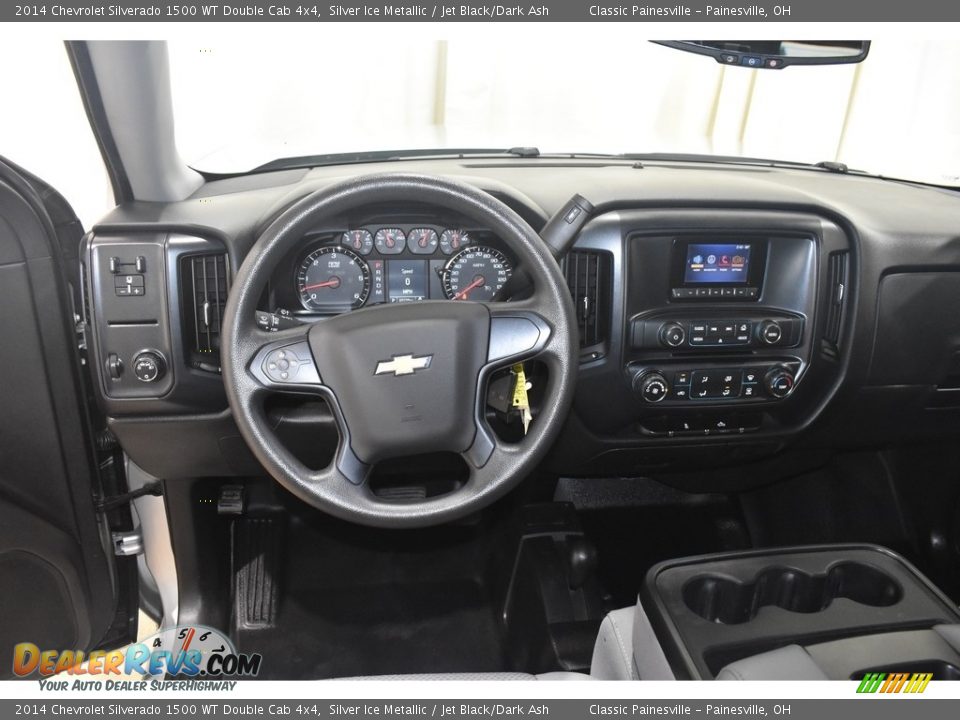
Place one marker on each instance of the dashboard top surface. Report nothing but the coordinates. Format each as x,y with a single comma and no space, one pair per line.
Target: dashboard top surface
237,206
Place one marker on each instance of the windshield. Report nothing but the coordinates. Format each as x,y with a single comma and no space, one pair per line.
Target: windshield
240,105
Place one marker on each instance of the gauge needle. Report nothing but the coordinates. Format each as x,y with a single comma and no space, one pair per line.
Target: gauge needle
462,295
332,283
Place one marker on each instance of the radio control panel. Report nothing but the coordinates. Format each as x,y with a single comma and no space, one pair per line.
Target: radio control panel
740,331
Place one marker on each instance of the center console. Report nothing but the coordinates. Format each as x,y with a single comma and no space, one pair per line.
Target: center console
827,612
731,328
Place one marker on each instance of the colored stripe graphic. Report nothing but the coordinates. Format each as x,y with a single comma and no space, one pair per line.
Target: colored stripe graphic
913,683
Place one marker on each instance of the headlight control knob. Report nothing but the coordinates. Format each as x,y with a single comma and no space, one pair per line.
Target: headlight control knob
779,382
149,366
651,386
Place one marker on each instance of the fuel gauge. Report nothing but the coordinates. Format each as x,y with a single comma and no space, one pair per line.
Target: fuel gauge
360,241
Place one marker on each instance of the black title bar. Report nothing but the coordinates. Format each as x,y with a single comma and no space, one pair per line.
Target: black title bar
473,11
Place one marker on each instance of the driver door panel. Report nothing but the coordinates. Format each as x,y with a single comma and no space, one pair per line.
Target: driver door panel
63,588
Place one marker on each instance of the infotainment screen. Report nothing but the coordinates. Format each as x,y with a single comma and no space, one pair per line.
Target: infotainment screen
709,263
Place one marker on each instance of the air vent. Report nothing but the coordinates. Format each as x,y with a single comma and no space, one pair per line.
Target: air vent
588,277
837,287
204,283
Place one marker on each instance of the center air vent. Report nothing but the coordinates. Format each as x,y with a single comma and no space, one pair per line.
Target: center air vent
588,277
837,283
204,283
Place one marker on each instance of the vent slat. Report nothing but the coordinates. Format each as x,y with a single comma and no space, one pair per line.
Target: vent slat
837,279
204,287
587,274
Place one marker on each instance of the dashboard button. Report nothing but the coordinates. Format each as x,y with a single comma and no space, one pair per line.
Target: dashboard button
700,378
687,425
682,377
293,364
722,425
742,333
729,384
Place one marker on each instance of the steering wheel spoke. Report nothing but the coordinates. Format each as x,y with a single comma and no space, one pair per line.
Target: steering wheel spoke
284,362
517,332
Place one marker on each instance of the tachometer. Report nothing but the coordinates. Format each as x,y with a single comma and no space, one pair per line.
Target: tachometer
476,273
333,278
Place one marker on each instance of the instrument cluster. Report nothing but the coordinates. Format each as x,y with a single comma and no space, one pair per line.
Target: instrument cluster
369,265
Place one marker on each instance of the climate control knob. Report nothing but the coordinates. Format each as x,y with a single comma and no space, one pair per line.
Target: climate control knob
779,382
149,366
770,332
651,386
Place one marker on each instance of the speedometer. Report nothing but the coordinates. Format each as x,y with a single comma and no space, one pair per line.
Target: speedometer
476,273
333,278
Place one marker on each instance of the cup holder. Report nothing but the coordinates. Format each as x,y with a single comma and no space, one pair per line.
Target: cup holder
722,599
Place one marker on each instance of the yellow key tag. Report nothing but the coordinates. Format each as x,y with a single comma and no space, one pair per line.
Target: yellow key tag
520,387
520,400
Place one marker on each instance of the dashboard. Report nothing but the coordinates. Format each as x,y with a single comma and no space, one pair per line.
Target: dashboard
742,319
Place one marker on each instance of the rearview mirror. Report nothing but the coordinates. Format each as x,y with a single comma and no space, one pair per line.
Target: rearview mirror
775,54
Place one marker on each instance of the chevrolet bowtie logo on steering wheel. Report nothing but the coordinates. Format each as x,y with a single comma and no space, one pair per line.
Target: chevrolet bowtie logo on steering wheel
403,365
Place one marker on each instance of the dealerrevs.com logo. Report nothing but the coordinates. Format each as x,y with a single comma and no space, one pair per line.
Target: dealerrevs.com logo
184,651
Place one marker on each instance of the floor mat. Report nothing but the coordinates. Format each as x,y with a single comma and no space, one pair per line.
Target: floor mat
378,604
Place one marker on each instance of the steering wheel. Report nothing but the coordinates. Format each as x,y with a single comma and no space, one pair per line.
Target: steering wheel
401,379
